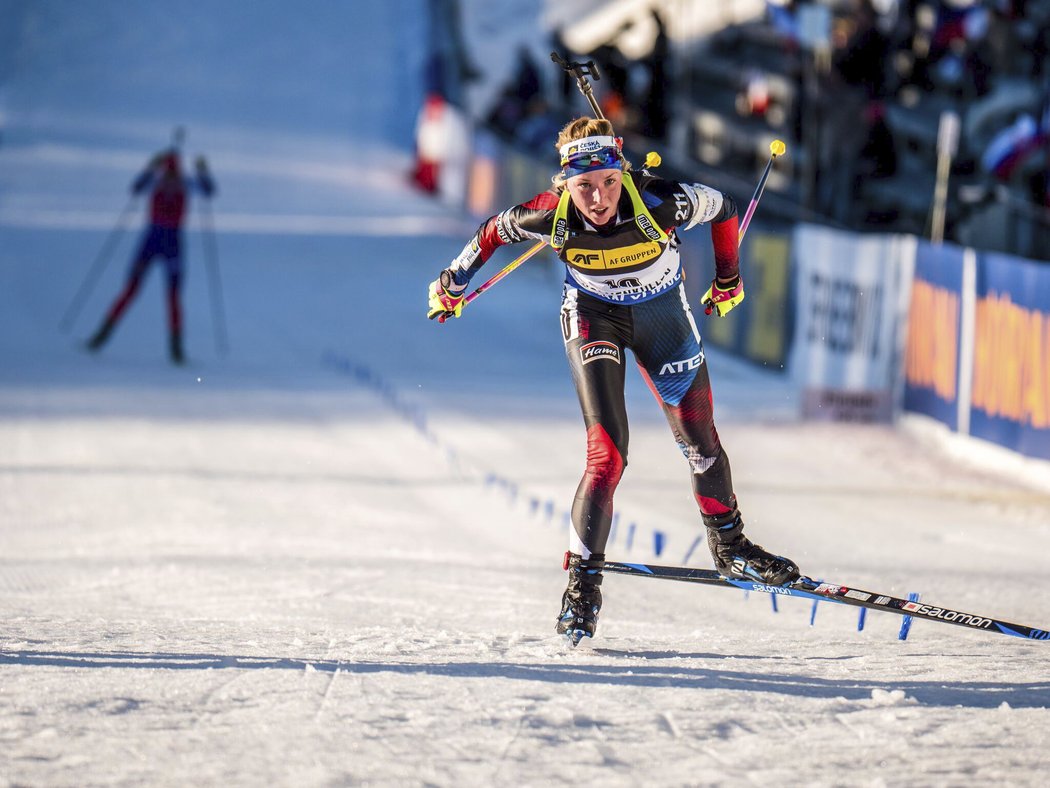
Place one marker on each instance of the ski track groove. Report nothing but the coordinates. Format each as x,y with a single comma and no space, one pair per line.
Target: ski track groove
596,737
525,716
667,722
221,685
841,719
323,702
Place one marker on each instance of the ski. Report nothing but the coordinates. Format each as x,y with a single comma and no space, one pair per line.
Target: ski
807,588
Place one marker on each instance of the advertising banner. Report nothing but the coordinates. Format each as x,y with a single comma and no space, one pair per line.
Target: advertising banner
1011,360
932,349
851,305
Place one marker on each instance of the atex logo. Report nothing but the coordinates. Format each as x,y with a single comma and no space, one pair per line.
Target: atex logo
676,367
601,349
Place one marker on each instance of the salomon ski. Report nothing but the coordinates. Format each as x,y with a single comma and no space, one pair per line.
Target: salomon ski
807,588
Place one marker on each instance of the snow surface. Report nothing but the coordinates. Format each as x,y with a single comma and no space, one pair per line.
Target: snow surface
333,556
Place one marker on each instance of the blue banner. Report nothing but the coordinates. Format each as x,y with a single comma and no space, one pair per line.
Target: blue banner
931,358
1011,376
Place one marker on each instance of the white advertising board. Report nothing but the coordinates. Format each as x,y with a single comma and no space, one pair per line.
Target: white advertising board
851,299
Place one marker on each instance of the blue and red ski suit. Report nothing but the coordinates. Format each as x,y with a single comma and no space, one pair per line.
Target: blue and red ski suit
169,190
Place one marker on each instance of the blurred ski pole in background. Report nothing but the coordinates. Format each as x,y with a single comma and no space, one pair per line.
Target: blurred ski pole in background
211,261
101,261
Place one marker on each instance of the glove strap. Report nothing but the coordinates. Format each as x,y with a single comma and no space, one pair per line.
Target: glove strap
729,286
448,283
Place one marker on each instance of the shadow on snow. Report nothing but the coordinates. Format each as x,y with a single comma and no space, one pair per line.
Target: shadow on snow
970,694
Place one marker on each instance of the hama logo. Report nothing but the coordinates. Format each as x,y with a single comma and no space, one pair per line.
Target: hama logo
677,367
593,351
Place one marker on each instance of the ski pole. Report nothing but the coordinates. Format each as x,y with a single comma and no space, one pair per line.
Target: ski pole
97,266
506,270
776,148
581,71
211,261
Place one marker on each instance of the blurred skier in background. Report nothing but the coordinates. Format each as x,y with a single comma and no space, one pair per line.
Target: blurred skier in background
169,191
616,232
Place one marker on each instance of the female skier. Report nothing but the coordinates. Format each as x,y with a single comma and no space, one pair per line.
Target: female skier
616,232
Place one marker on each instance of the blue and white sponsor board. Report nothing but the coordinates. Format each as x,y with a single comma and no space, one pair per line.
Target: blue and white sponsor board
851,295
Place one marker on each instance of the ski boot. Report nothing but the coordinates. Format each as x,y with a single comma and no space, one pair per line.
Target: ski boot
737,557
582,598
98,339
176,350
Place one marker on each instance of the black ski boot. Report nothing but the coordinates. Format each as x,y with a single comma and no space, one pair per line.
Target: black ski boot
176,349
582,598
99,338
737,557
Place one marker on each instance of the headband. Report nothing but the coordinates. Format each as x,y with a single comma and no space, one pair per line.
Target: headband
600,152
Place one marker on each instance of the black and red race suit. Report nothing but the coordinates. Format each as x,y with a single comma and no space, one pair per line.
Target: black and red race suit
623,290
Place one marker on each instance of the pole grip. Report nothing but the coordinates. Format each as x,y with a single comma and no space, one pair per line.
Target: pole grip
776,148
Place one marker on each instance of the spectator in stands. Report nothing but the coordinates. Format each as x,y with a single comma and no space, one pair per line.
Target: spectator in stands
654,104
856,153
518,97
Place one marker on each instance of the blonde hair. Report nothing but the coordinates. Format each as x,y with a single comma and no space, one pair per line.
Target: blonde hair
578,129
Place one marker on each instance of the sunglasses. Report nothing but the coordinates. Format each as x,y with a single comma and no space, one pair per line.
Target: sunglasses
606,158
